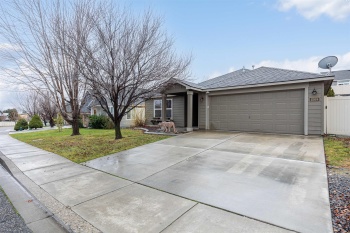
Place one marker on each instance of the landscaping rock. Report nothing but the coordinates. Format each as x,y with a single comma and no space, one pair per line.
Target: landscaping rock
339,195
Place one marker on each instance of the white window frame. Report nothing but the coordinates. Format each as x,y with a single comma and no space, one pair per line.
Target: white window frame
111,109
343,83
130,116
161,106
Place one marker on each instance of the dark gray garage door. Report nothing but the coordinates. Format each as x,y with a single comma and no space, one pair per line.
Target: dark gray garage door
275,112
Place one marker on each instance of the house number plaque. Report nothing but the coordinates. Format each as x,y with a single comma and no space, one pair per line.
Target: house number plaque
314,99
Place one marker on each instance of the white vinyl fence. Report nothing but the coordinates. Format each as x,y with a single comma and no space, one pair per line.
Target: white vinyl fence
337,115
7,123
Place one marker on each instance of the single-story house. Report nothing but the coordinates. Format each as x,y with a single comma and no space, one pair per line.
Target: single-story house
341,83
260,100
127,120
4,116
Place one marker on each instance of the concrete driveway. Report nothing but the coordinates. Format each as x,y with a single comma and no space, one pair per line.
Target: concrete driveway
227,181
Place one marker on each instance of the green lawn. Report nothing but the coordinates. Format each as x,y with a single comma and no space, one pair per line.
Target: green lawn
337,151
91,144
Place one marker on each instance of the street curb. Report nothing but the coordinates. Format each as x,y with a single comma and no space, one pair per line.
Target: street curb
38,203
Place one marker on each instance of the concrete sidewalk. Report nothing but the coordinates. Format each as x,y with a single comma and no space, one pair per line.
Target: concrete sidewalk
35,216
87,200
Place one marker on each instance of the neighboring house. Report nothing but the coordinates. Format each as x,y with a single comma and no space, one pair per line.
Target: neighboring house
85,111
341,83
127,120
261,100
4,116
23,116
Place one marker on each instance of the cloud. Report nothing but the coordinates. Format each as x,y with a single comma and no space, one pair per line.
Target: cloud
312,9
7,46
307,64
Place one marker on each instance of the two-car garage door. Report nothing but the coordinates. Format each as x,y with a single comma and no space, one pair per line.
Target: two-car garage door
275,112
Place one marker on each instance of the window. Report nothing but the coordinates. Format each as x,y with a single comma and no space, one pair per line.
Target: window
111,110
343,82
158,108
129,115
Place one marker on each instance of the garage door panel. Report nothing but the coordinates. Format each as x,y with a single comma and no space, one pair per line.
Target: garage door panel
255,107
281,116
267,116
281,105
296,105
255,117
296,117
281,128
280,112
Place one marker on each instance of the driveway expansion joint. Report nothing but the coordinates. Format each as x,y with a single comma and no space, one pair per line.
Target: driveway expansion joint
179,217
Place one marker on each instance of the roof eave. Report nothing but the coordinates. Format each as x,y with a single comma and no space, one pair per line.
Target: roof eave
188,87
271,84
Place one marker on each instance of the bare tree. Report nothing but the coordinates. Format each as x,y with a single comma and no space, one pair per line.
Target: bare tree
48,110
48,37
130,60
29,102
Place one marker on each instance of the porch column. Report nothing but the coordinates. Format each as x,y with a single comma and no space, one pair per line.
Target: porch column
306,110
163,107
207,110
189,110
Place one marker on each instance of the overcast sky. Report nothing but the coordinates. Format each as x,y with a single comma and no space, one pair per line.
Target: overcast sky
225,35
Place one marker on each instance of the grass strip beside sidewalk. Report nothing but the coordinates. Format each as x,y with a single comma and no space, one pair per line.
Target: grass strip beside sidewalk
337,151
91,144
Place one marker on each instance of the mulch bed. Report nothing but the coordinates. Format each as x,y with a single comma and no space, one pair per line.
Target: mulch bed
339,196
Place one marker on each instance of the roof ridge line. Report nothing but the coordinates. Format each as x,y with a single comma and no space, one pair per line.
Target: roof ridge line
299,71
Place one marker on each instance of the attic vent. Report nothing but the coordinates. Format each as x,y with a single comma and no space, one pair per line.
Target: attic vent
243,69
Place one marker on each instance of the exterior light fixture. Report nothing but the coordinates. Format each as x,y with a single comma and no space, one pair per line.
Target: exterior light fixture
314,92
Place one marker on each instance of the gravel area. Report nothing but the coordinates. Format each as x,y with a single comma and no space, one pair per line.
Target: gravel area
157,129
339,195
10,221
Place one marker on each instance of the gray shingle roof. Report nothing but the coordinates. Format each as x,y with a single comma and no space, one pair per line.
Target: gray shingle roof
261,75
191,84
340,74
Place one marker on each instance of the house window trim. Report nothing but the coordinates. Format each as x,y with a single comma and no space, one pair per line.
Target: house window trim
161,105
343,82
126,115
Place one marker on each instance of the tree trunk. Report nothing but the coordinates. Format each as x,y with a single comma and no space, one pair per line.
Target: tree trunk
118,133
75,127
52,122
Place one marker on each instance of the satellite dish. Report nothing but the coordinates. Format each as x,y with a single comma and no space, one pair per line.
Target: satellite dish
328,63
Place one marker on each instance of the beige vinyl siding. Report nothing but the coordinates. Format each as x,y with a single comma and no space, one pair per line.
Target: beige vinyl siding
315,118
149,111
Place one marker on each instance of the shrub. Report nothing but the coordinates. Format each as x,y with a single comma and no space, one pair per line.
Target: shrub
81,125
59,122
139,118
110,124
21,124
100,122
35,122
330,92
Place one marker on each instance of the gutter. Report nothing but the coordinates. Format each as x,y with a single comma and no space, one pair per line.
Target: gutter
270,84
